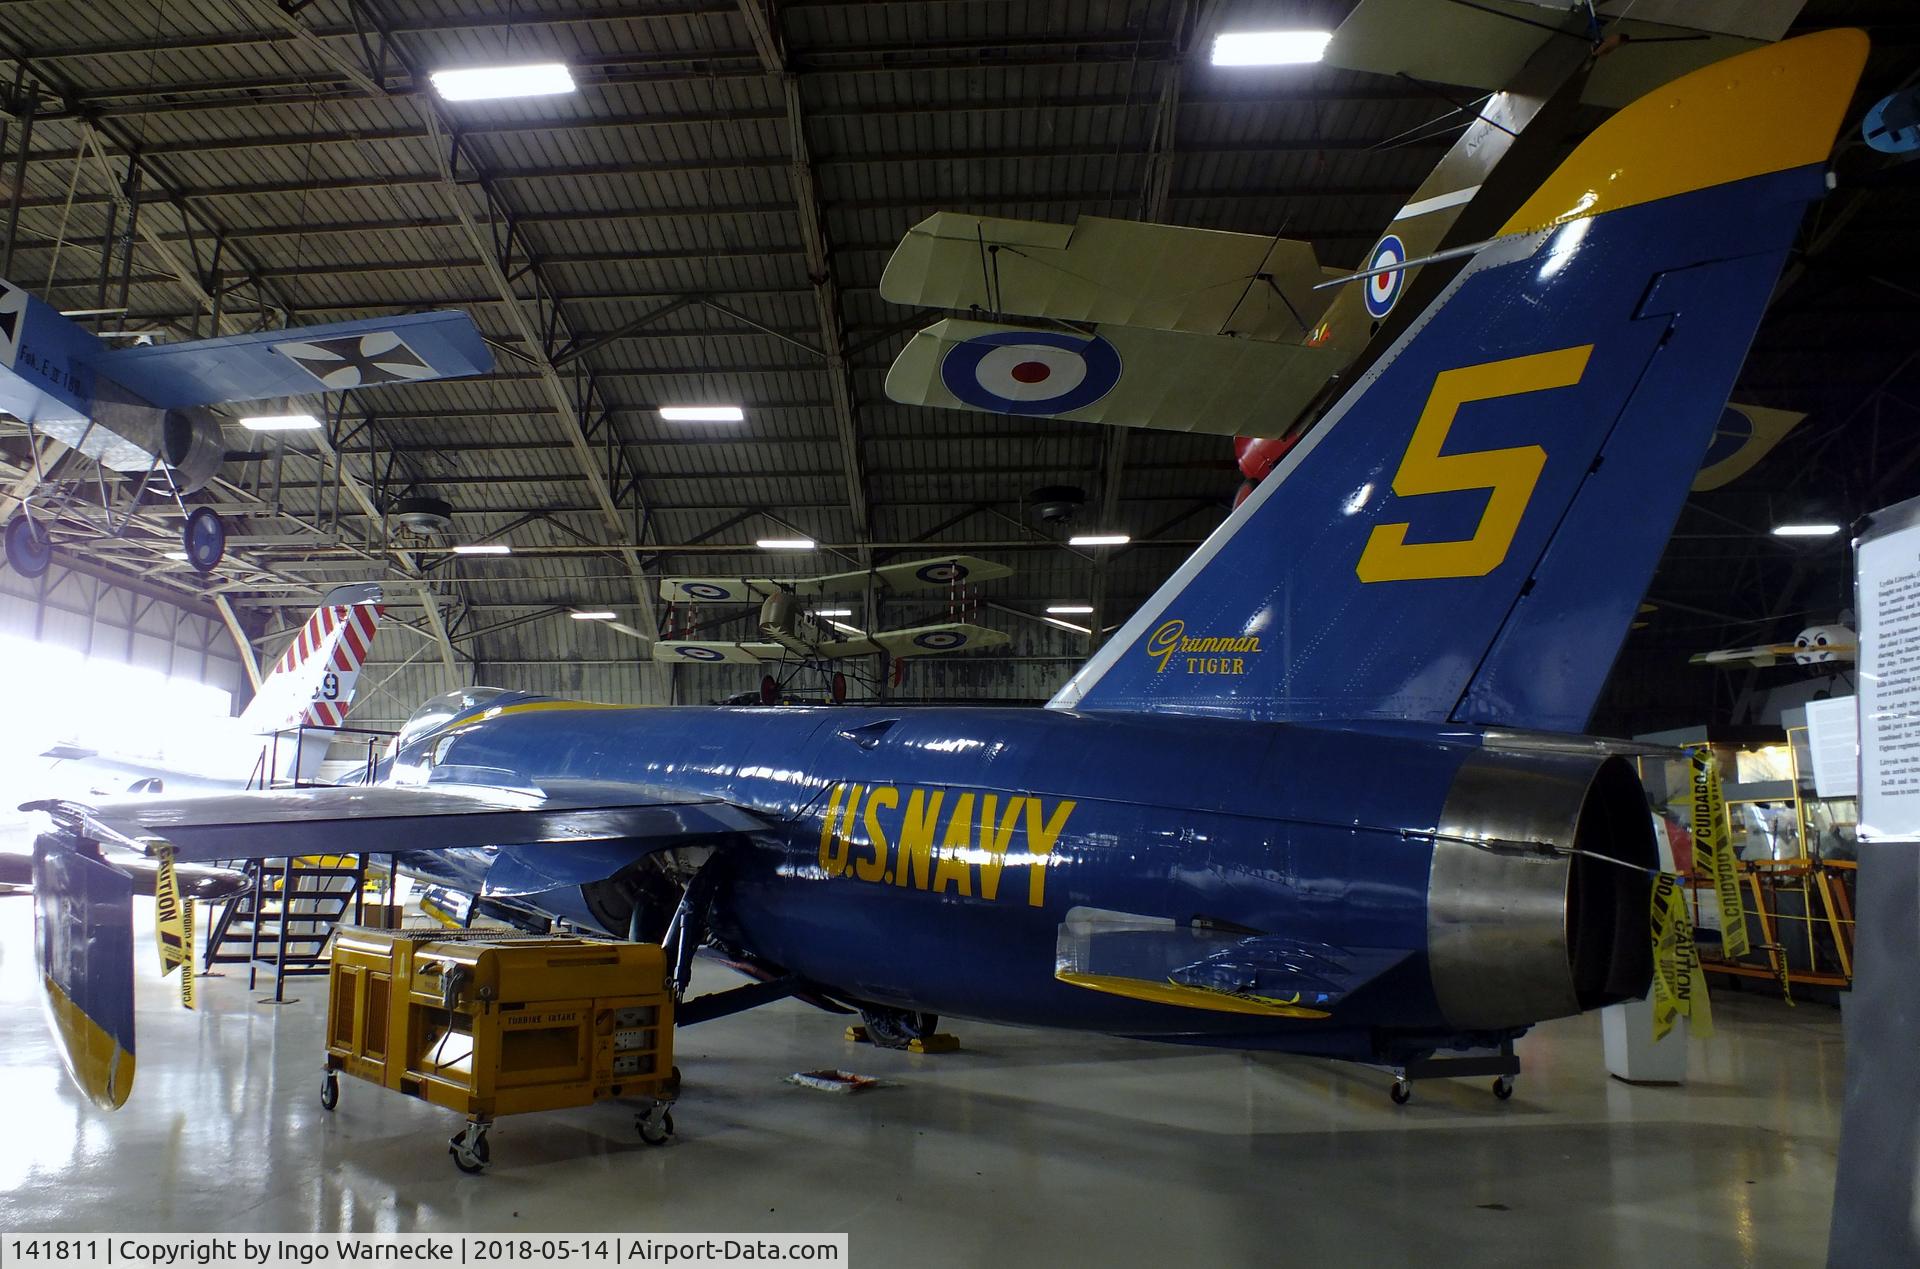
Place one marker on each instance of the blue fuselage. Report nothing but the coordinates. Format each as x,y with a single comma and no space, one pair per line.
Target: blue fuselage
927,859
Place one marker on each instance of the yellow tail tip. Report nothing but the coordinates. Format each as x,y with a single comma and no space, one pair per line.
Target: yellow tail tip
1768,110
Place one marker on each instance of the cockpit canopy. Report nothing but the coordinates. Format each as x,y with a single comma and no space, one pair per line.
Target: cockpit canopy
441,710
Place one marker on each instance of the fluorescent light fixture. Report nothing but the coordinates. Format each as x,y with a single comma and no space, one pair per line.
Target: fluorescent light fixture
487,83
784,544
1098,539
833,612
702,413
279,422
596,614
1806,529
1067,625
844,628
1069,610
1269,48
177,555
483,548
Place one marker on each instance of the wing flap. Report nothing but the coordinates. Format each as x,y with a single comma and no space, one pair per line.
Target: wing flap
1221,969
1121,376
300,360
1120,272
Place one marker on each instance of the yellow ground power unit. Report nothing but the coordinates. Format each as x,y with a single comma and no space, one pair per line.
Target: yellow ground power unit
491,1023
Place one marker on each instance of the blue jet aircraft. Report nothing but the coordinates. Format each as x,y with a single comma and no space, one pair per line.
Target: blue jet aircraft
1321,794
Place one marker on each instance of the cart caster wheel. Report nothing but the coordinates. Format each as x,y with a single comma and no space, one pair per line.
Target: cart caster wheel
1503,1087
330,1091
655,1130
470,1156
1401,1092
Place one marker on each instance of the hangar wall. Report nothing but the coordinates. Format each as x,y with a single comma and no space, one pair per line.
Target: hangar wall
558,657
98,619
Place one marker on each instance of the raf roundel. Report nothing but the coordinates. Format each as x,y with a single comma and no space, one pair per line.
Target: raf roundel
946,571
1383,289
1030,371
939,640
701,654
703,590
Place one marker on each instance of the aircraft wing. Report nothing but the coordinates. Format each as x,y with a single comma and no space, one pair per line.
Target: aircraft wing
387,819
300,359
1485,44
1119,272
912,575
1760,657
1120,375
918,641
715,651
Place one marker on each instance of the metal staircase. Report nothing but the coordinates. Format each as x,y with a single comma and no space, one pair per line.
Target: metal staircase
282,921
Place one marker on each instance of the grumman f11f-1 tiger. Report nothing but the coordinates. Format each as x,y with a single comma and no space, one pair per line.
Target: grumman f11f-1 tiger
1319,794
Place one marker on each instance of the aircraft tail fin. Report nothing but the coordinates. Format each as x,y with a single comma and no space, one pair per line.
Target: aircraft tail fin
1467,535
312,683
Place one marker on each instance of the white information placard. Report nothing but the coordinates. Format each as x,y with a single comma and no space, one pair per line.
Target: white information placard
1886,565
1833,742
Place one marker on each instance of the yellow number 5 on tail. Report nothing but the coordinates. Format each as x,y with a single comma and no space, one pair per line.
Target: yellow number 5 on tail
1508,475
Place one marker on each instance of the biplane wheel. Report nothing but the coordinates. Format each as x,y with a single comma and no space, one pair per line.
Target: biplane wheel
330,1091
769,690
205,539
839,688
29,549
1402,1091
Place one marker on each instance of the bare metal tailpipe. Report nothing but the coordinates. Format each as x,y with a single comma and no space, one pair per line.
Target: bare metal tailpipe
1526,918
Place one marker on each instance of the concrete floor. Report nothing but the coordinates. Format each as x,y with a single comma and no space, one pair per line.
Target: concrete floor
1026,1146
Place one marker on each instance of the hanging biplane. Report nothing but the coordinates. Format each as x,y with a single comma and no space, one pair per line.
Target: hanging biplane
141,411
790,632
1249,335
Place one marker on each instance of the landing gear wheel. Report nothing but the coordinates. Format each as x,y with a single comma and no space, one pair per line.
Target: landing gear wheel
330,1091
29,549
655,1126
1503,1087
469,1149
204,539
897,1028
1402,1091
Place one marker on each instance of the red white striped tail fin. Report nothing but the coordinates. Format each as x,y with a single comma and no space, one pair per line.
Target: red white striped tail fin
312,683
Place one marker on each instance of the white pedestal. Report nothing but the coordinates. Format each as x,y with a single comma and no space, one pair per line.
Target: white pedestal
1626,1033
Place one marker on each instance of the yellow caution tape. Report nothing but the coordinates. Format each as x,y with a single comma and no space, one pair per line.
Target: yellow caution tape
173,925
1679,987
1713,847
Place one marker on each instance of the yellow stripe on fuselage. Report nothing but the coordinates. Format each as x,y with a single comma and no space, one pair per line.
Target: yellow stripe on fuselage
1187,997
1768,110
99,1065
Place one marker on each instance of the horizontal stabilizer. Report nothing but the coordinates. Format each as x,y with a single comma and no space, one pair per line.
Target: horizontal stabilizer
1120,375
1484,45
1745,435
927,574
1226,970
301,359
1118,272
